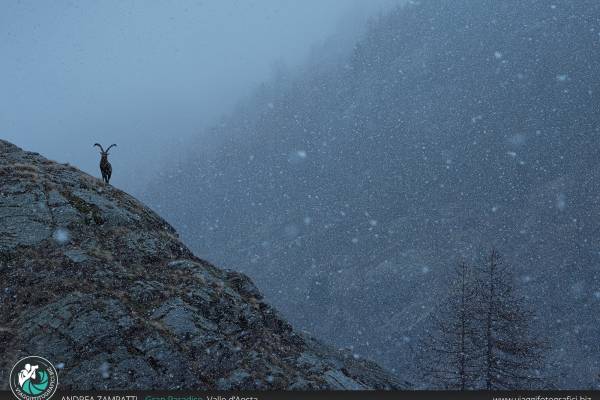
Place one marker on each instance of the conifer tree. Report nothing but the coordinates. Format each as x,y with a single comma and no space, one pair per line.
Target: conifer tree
481,336
452,356
512,357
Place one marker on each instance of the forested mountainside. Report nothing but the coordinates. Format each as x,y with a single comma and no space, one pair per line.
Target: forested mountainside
348,193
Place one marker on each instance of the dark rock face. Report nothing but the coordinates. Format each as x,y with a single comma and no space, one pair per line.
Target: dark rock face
100,285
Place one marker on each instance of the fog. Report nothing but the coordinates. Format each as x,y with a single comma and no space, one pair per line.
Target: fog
347,167
144,75
349,192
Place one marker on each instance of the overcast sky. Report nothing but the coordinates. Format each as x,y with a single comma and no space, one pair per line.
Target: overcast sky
143,73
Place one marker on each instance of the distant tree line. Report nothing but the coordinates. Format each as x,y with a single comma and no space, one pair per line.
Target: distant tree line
481,337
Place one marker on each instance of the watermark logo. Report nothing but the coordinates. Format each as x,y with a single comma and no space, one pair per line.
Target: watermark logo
33,378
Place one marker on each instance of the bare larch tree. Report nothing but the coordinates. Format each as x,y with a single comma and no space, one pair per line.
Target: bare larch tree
452,361
481,336
512,356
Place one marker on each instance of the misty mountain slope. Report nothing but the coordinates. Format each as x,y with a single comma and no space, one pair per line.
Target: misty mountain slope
453,126
97,283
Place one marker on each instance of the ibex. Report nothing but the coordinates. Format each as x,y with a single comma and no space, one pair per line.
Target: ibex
105,166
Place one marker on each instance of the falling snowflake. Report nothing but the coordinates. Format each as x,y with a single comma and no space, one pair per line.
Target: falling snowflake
62,235
105,370
297,156
561,202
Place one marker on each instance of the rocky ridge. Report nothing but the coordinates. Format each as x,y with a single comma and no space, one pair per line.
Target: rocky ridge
99,284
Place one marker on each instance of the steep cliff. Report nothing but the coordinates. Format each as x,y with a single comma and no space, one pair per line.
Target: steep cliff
96,282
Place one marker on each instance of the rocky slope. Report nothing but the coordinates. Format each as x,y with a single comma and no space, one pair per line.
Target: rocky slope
100,285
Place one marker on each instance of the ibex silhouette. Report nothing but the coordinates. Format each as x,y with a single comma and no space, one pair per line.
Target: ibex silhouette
105,166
